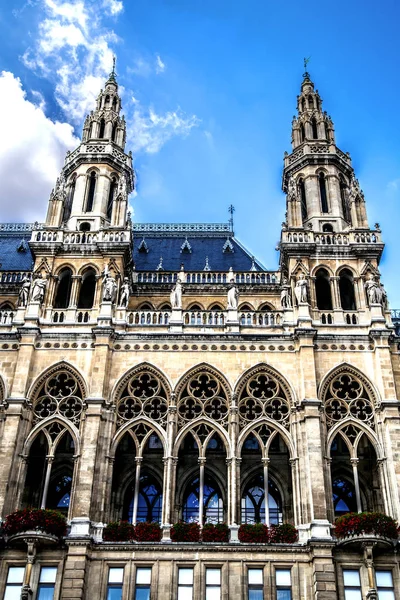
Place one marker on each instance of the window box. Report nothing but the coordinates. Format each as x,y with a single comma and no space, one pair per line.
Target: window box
35,521
119,531
185,532
218,532
259,533
370,524
147,532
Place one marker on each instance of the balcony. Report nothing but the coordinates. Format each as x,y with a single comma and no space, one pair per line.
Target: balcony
347,238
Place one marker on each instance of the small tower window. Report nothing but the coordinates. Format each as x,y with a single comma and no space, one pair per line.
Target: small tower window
303,104
302,133
69,200
114,103
310,102
323,290
344,200
111,195
323,194
91,191
84,226
303,199
102,128
327,228
107,100
63,292
314,128
114,132
327,132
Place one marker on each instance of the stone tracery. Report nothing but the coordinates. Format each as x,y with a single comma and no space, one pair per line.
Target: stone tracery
62,394
203,395
347,396
143,394
263,396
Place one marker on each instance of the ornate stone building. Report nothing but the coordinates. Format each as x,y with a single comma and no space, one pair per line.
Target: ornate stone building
158,372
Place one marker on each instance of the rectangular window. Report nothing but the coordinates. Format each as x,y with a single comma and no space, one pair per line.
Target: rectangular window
47,582
185,584
255,577
115,581
352,584
143,581
15,579
283,580
213,584
384,585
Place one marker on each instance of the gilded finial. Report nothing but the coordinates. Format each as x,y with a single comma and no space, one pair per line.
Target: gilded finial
306,61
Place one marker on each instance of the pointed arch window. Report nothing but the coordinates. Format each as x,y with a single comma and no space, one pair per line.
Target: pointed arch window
91,188
303,104
253,502
111,196
63,292
87,289
149,503
323,193
346,288
303,199
302,133
102,128
327,135
213,507
323,290
114,132
314,128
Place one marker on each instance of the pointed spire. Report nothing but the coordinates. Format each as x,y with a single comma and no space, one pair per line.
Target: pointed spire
113,76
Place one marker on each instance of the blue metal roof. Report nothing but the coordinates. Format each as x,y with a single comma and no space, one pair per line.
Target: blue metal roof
194,246
15,254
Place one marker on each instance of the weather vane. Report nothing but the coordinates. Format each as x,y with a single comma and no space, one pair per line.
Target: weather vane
231,210
306,61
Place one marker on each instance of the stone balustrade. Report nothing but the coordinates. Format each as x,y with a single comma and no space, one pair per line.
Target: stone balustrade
260,318
13,276
203,318
6,316
76,316
148,317
331,238
201,277
81,237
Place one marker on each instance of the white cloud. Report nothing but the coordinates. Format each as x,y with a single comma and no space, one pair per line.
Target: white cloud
160,65
114,7
31,154
394,185
151,131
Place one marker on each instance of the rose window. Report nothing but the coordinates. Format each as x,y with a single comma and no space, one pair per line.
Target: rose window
60,394
263,396
143,394
204,396
347,397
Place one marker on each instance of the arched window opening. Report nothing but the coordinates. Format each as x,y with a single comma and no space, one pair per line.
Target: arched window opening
87,289
111,196
327,228
114,103
327,135
60,486
63,292
91,188
102,128
213,507
84,226
344,201
303,199
323,193
302,133
114,132
36,472
346,288
69,200
314,128
107,100
344,496
253,502
323,290
303,104
310,102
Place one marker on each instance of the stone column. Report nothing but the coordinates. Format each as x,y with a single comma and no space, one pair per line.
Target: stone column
138,461
354,465
265,462
337,305
75,571
170,463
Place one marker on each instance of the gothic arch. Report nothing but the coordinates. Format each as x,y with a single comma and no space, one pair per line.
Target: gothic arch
136,370
61,365
348,267
130,424
197,369
266,306
215,428
88,266
364,429
345,367
278,429
264,367
144,305
66,265
215,306
3,388
245,306
316,268
195,306
42,426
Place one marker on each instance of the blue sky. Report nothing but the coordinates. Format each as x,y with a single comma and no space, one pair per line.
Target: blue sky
209,90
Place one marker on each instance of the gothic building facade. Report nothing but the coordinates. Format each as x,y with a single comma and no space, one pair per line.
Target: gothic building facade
159,373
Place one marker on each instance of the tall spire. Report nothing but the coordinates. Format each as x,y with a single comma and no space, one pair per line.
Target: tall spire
113,76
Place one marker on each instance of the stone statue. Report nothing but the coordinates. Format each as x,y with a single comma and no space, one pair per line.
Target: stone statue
109,288
301,289
125,292
38,289
286,297
373,290
176,295
292,188
233,296
122,189
23,296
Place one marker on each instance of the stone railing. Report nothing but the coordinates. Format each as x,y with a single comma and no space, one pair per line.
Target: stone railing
148,317
99,146
77,316
201,277
332,239
315,147
81,237
204,318
260,318
6,316
395,313
13,276
328,318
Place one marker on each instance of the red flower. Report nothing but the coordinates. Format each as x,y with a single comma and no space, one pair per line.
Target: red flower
366,522
215,533
147,532
49,521
118,531
185,532
259,533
